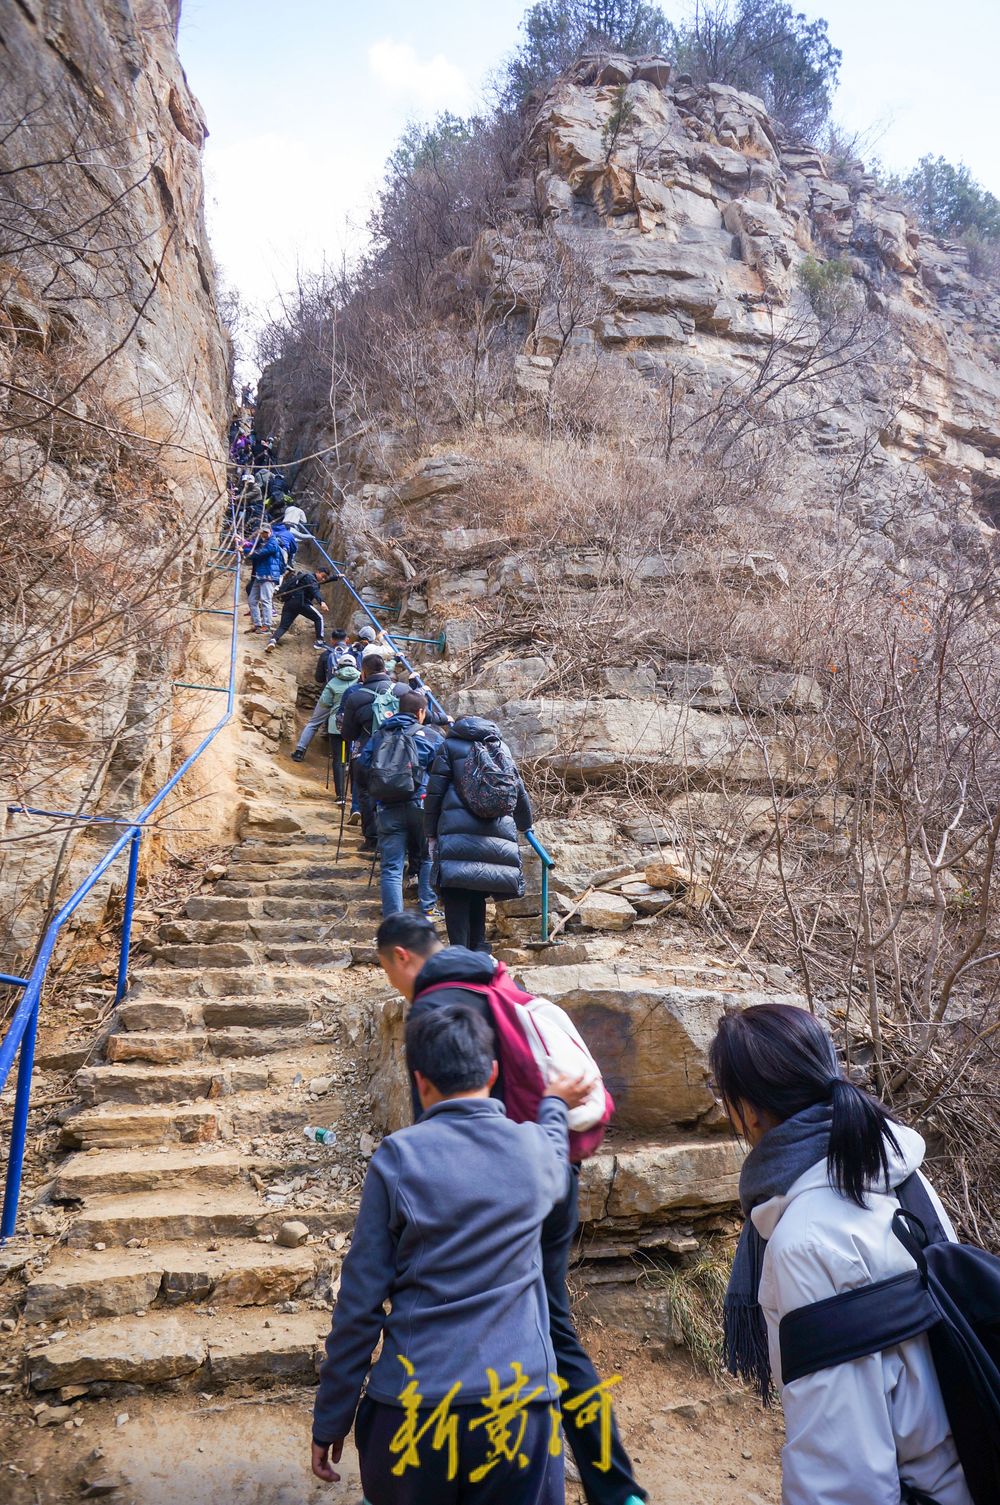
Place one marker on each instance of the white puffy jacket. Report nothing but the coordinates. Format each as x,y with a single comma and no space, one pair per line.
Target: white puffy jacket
854,1431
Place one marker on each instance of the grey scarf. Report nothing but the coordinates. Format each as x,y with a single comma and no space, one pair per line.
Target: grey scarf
772,1166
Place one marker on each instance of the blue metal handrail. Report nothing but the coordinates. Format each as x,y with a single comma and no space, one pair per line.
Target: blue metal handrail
547,863
23,1028
532,840
339,575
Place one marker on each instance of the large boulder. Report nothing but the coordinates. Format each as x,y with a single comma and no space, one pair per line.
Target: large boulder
586,740
650,1039
645,1182
441,475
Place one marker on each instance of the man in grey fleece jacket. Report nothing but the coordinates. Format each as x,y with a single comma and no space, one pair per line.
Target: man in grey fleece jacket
449,1232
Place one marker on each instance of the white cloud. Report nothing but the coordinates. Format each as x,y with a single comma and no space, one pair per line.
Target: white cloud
434,84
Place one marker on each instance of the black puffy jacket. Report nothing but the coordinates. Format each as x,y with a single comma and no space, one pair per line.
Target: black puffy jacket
476,854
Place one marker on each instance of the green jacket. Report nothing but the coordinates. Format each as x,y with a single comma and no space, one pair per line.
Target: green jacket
345,676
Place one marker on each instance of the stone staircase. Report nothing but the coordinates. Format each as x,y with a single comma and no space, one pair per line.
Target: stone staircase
205,1231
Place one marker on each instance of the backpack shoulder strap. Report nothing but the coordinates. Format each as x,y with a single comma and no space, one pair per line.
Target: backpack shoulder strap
914,1198
854,1324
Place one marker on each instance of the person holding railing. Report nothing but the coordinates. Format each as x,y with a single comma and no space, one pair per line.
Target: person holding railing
267,565
300,597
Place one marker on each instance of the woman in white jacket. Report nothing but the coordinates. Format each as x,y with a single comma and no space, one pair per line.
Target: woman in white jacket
816,1189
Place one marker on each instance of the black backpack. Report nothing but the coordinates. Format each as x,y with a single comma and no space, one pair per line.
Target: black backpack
325,668
394,773
486,779
954,1297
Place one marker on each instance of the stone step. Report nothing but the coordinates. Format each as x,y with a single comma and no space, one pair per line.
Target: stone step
166,1015
255,905
203,1213
632,1182
285,885
349,899
238,1043
111,1125
232,954
251,1345
232,1043
158,1049
82,1284
134,1083
280,900
329,953
289,845
199,1214
307,930
253,1013
183,982
156,1014
323,872
112,1174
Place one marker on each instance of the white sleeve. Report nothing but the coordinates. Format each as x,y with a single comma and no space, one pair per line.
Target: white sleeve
840,1448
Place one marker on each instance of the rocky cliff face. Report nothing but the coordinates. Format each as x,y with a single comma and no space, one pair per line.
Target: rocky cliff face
697,219
694,385
114,396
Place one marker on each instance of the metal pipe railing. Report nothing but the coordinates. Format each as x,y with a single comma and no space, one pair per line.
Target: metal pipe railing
19,1040
546,860
338,575
547,863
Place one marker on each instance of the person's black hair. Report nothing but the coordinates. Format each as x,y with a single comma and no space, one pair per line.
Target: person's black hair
338,635
322,570
412,703
373,664
780,1060
452,1047
408,930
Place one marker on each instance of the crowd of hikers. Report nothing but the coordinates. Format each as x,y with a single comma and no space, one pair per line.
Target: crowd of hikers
849,1296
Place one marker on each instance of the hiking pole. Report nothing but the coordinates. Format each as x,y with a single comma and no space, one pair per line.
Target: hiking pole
343,810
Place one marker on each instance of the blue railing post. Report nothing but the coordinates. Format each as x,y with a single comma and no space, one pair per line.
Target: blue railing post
19,1127
547,863
133,873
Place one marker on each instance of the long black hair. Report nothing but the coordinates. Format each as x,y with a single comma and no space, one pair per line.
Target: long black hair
780,1060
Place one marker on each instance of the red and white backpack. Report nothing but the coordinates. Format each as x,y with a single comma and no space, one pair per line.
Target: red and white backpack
537,1040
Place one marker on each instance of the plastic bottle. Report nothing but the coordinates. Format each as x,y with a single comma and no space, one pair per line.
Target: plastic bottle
320,1136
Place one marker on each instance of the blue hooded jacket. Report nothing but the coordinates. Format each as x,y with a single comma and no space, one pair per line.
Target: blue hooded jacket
266,560
286,540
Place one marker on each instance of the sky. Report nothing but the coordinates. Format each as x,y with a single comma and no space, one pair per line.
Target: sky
305,100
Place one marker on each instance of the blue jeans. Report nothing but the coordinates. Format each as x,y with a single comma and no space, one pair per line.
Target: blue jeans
400,827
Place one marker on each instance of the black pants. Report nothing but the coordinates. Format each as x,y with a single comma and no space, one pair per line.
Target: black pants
603,1486
465,917
540,1482
290,612
337,751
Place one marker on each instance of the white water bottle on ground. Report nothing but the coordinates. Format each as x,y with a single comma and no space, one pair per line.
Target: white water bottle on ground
320,1136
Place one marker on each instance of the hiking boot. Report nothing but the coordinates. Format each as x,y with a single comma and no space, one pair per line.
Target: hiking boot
319,646
271,644
435,914
354,819
298,755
